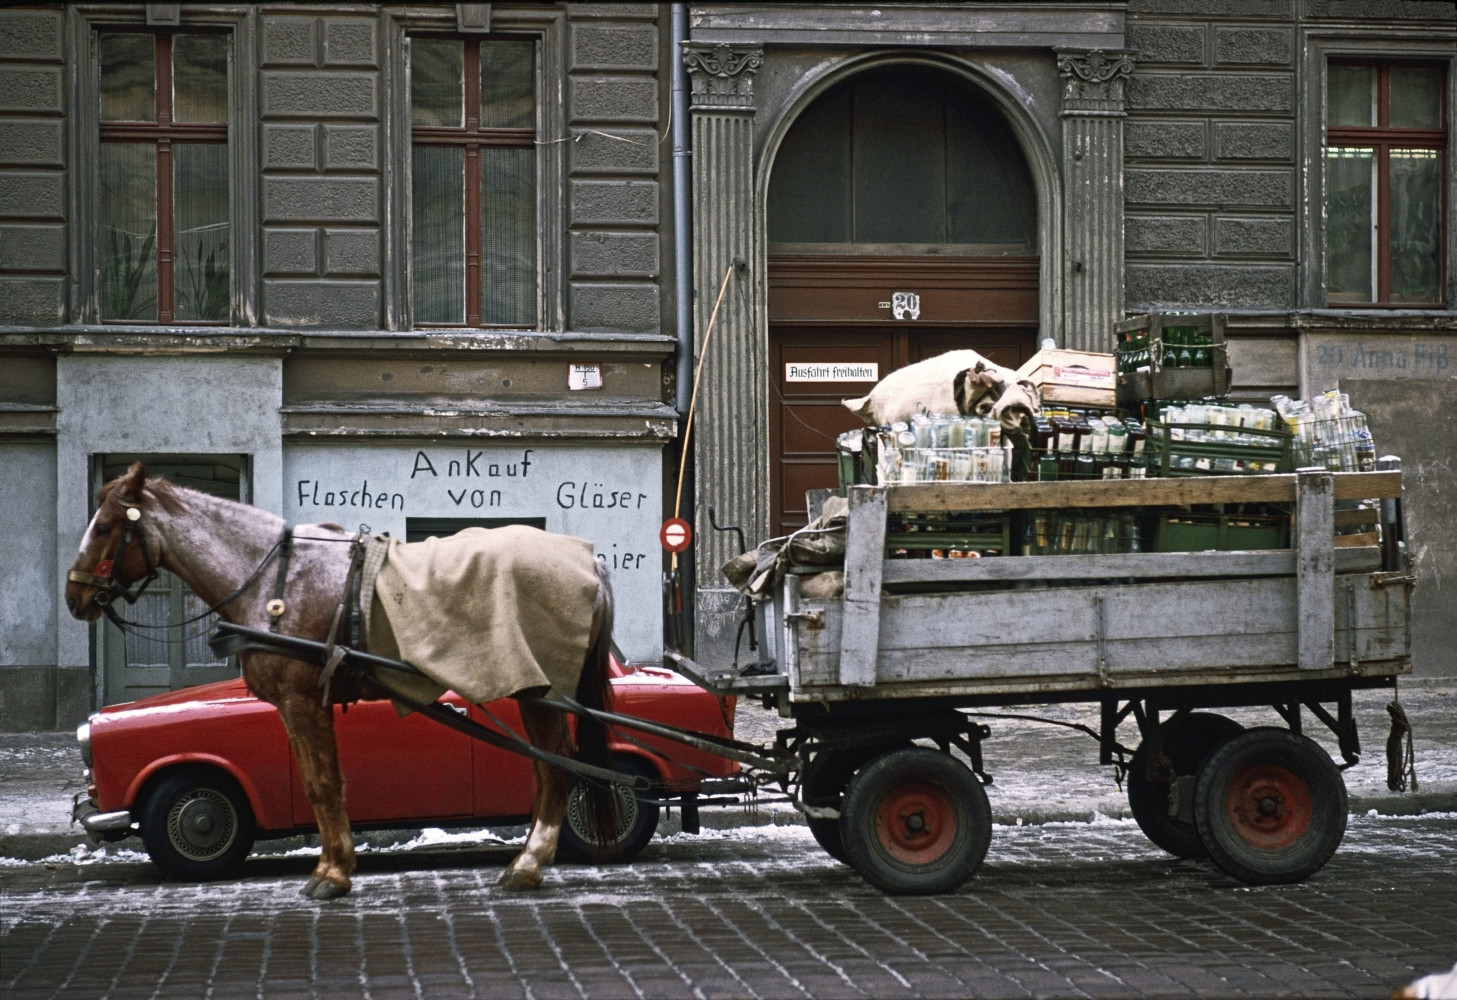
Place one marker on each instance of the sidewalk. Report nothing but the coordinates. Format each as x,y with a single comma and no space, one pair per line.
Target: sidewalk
1042,773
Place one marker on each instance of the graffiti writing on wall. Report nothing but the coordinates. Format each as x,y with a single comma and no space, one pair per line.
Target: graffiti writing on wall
1417,358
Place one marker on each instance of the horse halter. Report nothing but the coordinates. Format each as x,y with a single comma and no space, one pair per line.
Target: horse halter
104,574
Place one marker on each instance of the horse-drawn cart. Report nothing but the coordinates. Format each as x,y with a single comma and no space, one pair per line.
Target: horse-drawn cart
880,681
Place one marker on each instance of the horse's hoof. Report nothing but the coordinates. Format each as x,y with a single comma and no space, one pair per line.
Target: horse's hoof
516,880
322,889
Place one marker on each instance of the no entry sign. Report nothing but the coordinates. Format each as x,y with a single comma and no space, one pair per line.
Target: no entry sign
675,535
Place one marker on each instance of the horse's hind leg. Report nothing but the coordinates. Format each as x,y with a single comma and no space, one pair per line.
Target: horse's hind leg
547,730
310,728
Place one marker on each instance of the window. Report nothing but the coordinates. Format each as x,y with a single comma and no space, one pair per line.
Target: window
1386,147
904,158
164,183
473,181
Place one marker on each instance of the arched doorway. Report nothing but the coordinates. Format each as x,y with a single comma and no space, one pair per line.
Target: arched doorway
902,223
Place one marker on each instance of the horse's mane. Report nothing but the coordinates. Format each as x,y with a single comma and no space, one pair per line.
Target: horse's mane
164,492
167,494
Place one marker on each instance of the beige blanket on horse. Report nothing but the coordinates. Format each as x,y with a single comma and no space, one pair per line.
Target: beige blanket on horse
485,612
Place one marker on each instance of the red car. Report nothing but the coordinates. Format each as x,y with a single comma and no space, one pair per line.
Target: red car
203,771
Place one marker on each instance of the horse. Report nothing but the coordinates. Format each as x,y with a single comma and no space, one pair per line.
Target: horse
228,553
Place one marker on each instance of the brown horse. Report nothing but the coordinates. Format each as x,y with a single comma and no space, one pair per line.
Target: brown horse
228,554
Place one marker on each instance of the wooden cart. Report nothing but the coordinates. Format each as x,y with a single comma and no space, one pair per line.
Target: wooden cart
879,681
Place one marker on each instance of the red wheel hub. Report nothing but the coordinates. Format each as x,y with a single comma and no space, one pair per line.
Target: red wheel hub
1269,806
916,823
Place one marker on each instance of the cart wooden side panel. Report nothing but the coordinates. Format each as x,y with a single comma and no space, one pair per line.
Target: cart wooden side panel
1068,623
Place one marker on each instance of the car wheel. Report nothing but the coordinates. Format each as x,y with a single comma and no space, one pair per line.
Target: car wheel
197,825
637,820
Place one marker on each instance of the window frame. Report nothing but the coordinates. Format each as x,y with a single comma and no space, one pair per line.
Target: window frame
85,27
473,138
1323,46
547,28
1382,138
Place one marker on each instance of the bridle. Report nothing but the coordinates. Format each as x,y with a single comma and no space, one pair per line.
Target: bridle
103,576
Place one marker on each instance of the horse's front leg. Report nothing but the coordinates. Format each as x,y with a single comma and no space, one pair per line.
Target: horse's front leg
310,728
547,730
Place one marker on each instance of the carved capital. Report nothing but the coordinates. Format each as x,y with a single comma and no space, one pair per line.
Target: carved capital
722,75
1093,81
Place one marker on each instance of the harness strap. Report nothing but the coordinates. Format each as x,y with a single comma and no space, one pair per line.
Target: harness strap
333,652
277,607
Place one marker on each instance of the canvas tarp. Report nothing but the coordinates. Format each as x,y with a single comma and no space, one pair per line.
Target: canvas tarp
485,612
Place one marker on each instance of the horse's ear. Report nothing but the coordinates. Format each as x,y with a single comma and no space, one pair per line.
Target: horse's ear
129,486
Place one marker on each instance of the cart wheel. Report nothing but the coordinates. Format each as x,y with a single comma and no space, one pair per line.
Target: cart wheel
637,820
1270,806
915,821
823,782
1187,742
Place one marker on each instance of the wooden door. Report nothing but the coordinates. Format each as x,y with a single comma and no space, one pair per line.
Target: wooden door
812,368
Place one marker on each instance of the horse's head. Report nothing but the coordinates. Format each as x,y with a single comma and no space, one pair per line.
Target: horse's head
116,550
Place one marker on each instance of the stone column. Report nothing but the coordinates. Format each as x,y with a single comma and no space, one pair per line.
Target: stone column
1092,163
731,414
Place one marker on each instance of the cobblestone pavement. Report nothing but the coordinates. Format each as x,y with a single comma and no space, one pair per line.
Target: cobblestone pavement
1058,910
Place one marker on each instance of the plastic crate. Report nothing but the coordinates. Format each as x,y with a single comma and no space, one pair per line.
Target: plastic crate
1205,450
1220,532
948,535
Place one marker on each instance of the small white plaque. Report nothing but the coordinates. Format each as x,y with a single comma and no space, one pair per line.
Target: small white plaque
584,376
832,371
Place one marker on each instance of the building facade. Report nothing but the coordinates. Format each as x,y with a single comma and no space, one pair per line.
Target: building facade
425,266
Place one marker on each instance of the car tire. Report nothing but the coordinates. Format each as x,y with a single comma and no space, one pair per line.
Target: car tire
637,819
197,825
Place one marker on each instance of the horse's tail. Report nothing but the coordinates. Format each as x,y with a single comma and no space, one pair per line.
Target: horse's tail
594,690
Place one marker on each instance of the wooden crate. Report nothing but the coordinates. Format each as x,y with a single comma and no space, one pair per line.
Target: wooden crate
1174,383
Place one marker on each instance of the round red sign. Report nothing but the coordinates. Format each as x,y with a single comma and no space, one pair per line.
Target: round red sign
676,535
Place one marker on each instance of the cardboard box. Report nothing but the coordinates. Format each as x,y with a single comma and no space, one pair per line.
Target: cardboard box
1064,376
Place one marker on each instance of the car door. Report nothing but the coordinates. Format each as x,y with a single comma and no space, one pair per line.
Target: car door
406,770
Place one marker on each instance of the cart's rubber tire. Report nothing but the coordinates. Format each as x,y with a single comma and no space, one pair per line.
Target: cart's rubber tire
1270,806
1187,742
823,784
637,820
915,821
196,825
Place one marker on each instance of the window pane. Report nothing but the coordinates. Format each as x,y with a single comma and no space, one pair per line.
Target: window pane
437,82
128,77
200,179
809,190
989,197
200,78
508,236
1351,224
899,146
128,231
1352,96
1416,200
1416,97
438,213
508,85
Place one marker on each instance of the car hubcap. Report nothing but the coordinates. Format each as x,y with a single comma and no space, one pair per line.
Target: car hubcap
201,826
